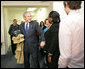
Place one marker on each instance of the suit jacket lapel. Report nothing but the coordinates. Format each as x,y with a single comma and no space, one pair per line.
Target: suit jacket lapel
24,29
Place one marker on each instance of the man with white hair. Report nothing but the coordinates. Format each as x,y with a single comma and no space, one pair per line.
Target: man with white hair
29,30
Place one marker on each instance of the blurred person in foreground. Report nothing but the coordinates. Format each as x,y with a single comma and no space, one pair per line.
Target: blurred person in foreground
71,37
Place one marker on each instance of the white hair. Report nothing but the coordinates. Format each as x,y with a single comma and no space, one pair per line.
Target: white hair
25,13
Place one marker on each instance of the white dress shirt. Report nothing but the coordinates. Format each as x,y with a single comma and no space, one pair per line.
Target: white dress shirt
71,41
25,25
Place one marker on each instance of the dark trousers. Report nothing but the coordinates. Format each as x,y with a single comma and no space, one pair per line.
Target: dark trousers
34,57
13,46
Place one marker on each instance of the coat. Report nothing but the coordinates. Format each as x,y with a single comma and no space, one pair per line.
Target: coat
52,43
31,41
13,28
19,50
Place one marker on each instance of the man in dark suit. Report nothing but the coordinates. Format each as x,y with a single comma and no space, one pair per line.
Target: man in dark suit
29,29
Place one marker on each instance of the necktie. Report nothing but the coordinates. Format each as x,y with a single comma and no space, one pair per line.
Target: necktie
27,29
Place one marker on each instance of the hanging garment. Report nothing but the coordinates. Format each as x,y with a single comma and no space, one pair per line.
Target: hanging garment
19,50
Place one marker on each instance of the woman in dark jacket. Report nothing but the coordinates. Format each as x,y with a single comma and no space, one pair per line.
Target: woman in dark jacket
52,41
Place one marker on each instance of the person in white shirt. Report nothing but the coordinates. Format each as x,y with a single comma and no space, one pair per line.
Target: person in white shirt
71,37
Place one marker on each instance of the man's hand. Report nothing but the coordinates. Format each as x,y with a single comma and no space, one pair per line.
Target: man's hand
42,44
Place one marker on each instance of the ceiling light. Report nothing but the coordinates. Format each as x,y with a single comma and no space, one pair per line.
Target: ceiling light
31,9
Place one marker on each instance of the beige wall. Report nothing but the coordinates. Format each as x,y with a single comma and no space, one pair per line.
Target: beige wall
16,13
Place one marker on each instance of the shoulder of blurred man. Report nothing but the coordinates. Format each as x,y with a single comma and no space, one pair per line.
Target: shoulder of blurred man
34,23
22,24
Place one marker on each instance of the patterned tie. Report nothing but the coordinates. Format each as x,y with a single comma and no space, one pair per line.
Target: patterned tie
27,29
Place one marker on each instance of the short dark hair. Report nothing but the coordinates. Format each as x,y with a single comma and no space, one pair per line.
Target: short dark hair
14,20
49,20
73,4
55,16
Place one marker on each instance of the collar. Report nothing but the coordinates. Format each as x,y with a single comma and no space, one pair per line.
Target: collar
74,12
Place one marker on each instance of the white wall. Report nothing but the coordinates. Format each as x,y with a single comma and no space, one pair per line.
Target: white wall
59,7
6,18
2,34
82,8
41,15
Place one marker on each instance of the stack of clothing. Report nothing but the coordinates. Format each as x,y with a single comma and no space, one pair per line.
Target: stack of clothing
19,40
